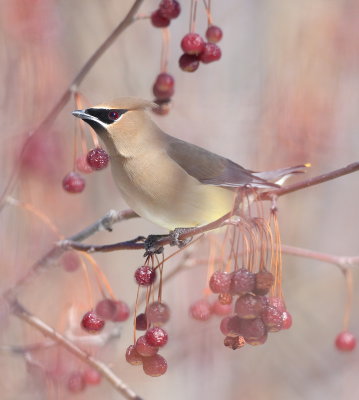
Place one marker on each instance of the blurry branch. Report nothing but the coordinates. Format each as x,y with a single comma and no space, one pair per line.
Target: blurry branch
71,88
20,312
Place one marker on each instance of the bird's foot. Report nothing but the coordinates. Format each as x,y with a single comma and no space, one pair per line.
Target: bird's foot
152,246
176,233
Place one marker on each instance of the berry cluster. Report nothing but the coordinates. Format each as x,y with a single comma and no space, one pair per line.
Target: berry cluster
167,10
95,160
196,50
78,380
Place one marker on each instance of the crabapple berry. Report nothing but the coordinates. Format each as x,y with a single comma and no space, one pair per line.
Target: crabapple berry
145,275
82,165
92,323
76,382
221,309
70,261
141,322
155,365
122,311
192,43
287,320
97,158
220,282
73,182
264,281
214,34
92,376
144,348
211,52
243,281
158,313
156,336
345,341
249,306
188,62
170,8
132,356
158,20
201,310
272,319
164,82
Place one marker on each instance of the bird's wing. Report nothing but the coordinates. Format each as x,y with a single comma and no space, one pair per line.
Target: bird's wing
210,168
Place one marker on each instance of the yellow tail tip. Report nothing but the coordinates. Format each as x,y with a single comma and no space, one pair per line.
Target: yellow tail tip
308,165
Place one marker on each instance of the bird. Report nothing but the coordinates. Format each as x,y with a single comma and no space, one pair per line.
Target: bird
170,182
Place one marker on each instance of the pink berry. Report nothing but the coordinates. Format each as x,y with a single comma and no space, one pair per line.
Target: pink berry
220,282
97,158
345,341
145,275
188,63
252,329
158,313
82,165
76,382
105,309
156,336
192,43
201,310
141,322
92,323
92,376
211,52
214,34
243,281
221,309
287,320
272,319
73,183
277,302
231,326
164,82
70,261
170,9
155,365
132,356
144,348
122,311
249,306
162,94
158,20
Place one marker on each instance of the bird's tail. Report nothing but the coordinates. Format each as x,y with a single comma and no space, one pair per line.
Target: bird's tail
279,176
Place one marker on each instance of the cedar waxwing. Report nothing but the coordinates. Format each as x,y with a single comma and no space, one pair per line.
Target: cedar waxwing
166,180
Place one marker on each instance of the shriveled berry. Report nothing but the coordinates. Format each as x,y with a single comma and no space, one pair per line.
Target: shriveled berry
145,275
221,309
192,43
70,261
252,328
257,341
141,322
277,302
214,34
155,365
201,310
144,348
82,165
220,282
97,158
225,298
158,313
132,356
243,281
188,63
234,342
264,281
92,323
158,20
164,82
345,341
73,182
170,8
76,382
122,311
249,306
156,336
211,52
92,376
106,309
272,319
287,320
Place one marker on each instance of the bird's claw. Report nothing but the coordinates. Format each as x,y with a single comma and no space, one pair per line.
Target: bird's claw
152,246
176,233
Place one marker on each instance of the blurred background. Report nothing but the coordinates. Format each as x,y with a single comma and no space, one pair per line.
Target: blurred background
285,92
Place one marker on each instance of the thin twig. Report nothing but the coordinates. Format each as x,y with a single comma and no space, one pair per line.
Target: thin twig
102,368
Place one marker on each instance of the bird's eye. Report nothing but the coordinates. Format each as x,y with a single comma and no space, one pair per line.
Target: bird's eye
113,115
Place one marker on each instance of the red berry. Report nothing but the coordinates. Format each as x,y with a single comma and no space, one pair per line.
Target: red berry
158,313
214,34
145,275
82,165
170,9
158,20
164,82
220,282
188,63
221,309
231,326
73,183
234,342
76,382
156,336
249,306
243,281
277,302
141,322
345,341
287,320
132,356
122,311
252,329
201,310
92,323
106,309
162,94
70,261
264,281
192,43
155,365
92,376
272,319
211,52
97,158
144,348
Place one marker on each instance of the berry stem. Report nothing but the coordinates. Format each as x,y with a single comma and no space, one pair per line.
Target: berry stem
349,298
165,49
87,280
207,6
135,315
193,16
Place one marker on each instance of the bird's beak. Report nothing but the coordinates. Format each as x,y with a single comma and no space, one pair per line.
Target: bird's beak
81,114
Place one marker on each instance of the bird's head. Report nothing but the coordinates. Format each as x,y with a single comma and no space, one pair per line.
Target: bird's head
122,122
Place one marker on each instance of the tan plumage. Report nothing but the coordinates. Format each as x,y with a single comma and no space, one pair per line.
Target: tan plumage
163,179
